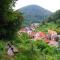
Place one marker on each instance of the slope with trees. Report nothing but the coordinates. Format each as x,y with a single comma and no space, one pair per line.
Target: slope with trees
55,18
10,23
34,14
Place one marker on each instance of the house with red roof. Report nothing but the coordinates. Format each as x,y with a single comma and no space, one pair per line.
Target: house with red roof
39,35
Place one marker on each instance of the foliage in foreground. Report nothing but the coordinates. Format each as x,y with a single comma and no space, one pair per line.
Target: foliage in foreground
10,21
29,49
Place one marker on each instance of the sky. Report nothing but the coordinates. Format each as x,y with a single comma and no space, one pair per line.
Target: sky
51,5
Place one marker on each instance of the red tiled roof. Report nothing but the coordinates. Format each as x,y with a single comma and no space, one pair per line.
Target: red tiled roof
42,34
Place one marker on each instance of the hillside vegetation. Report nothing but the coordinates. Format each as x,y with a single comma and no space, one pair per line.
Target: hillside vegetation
10,23
55,18
31,50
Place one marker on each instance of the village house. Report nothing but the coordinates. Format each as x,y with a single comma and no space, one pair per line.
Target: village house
53,34
22,30
39,35
34,26
49,38
58,36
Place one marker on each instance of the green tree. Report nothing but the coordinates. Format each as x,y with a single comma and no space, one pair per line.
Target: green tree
10,21
54,17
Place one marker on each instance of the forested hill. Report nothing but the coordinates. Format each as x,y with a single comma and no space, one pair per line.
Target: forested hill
55,17
34,13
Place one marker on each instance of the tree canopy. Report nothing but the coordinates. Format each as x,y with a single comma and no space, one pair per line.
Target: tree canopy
10,21
54,17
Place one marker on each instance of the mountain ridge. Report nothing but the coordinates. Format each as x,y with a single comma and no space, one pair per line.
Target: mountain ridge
34,13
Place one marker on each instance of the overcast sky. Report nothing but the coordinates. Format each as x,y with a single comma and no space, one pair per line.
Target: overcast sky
51,5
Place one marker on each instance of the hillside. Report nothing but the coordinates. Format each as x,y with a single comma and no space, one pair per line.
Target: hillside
34,14
55,17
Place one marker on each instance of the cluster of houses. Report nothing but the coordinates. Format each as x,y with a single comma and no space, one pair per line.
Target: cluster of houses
50,38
